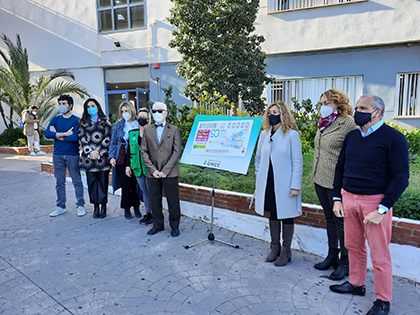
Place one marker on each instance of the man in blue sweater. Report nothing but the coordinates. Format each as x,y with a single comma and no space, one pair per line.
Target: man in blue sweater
64,129
371,174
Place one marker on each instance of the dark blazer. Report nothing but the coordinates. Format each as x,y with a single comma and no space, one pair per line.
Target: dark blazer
162,156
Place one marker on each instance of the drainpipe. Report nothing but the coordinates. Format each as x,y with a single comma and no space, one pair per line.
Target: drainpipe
149,34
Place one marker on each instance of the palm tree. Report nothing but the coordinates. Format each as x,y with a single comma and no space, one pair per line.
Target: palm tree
19,92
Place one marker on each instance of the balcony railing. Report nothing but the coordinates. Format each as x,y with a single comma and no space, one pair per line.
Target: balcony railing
285,5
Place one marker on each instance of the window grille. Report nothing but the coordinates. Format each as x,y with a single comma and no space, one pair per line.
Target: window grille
408,94
283,5
116,15
302,89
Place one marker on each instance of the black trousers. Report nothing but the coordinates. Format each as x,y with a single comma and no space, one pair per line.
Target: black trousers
335,226
129,193
98,186
172,196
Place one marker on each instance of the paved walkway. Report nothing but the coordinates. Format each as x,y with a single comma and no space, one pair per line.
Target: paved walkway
72,265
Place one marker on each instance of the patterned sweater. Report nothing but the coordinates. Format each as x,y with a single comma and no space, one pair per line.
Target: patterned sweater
95,136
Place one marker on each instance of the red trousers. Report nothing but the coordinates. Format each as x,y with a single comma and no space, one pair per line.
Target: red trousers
356,207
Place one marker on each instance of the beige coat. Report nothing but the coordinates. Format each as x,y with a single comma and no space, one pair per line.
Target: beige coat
327,149
162,156
28,120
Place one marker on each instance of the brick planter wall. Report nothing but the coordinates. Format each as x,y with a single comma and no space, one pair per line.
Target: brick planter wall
25,150
404,231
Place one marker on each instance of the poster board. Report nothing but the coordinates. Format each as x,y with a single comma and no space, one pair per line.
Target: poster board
222,142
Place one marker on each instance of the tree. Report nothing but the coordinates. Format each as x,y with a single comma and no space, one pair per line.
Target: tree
18,91
219,51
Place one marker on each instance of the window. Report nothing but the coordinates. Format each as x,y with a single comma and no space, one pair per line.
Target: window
408,95
302,89
116,15
284,5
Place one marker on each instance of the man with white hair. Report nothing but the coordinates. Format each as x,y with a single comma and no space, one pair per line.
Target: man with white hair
371,174
161,149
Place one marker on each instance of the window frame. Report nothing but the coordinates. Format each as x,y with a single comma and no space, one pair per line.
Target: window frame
404,99
273,3
315,98
112,8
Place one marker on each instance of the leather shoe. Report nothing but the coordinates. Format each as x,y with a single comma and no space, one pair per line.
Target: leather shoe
175,232
379,308
154,230
347,287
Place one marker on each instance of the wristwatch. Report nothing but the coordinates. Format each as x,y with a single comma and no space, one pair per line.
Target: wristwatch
381,211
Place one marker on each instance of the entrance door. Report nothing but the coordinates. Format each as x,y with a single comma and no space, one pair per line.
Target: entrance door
138,98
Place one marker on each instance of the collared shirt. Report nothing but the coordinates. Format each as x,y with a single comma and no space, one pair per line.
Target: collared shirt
159,130
371,130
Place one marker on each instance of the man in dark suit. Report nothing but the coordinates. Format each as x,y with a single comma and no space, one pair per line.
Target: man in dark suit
161,149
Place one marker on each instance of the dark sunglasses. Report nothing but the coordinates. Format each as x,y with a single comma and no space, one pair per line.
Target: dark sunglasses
158,110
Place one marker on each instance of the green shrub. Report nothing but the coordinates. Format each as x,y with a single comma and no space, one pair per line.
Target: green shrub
413,139
10,136
306,117
408,206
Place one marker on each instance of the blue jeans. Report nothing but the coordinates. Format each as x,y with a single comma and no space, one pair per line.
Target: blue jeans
145,190
60,162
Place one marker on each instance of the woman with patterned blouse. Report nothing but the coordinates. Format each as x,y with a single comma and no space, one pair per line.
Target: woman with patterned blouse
334,125
95,138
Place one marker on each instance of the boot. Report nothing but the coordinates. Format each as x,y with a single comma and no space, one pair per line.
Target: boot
275,228
147,219
103,211
95,210
342,269
127,213
137,212
286,252
330,261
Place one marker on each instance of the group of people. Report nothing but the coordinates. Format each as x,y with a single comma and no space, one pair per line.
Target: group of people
143,159
360,169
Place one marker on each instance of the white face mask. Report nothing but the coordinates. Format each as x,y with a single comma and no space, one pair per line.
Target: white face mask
126,116
34,113
326,111
158,117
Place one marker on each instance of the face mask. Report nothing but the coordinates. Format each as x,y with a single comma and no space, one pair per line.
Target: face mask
34,113
273,119
361,118
325,111
158,117
64,109
126,116
92,111
142,121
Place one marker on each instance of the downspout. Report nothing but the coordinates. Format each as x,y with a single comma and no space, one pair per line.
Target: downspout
149,35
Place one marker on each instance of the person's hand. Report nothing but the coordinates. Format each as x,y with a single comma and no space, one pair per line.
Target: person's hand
69,132
38,121
373,218
156,174
128,171
162,175
338,209
113,162
52,129
60,138
294,193
94,155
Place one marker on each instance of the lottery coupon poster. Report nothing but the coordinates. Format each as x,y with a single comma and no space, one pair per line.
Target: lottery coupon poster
222,142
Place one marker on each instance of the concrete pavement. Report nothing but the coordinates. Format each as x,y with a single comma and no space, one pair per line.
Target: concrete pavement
81,265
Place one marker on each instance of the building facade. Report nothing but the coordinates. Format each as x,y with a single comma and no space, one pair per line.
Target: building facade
118,49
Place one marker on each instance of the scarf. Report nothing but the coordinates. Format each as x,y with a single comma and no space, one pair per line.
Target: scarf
325,122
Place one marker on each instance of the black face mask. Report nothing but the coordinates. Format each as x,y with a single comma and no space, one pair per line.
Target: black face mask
273,119
142,121
361,118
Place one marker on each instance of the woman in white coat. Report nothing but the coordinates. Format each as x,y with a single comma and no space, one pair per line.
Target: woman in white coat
278,167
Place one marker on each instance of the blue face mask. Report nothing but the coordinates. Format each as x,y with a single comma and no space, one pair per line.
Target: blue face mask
64,109
92,111
273,119
362,118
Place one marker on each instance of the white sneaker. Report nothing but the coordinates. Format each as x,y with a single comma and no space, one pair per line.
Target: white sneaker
32,153
57,212
81,211
40,152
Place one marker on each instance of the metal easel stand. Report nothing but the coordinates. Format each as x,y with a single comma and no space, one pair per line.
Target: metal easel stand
211,237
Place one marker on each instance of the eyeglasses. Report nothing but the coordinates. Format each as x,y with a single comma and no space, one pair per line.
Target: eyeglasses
158,110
